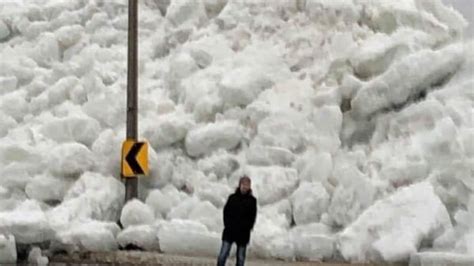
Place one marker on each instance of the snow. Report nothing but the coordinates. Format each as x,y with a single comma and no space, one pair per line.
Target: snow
136,212
394,227
7,249
343,113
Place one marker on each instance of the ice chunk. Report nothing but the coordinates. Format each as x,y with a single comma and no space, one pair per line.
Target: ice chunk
165,200
242,85
209,215
393,228
352,195
47,50
271,183
7,249
47,188
265,156
67,36
84,130
428,258
142,236
4,30
167,130
219,163
28,223
14,104
136,212
183,210
7,123
270,240
93,196
282,130
213,192
8,84
188,238
70,159
407,78
309,202
35,257
88,236
314,166
212,137
313,242
186,12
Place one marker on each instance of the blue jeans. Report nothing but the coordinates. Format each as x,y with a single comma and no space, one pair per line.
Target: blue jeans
224,254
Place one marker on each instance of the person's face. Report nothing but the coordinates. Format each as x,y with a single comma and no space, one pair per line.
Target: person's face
245,187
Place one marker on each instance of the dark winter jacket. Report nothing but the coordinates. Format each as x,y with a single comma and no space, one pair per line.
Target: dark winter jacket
240,213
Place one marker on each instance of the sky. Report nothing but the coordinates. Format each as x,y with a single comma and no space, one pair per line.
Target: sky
466,7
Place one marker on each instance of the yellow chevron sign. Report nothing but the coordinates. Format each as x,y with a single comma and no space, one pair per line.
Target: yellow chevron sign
134,158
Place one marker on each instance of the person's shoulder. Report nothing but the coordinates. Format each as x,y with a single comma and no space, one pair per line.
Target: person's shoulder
253,198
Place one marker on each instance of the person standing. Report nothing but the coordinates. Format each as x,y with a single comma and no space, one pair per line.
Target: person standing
240,212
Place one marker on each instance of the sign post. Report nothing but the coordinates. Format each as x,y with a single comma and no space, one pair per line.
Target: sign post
131,183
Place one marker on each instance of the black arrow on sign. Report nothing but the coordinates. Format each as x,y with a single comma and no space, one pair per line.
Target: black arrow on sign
131,159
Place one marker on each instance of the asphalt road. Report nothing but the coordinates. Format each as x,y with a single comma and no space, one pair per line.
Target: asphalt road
153,258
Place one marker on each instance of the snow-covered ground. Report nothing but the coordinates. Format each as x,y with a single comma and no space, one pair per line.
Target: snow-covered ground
354,118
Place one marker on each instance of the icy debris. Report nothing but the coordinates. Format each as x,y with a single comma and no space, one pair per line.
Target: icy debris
70,159
83,130
265,156
184,208
142,236
212,137
272,183
309,202
67,36
47,50
209,215
4,30
35,257
88,235
7,249
93,196
407,78
393,228
136,212
28,223
162,201
47,188
242,85
313,242
314,166
215,193
7,123
186,12
219,163
282,130
167,130
352,195
271,240
188,238
8,84
429,258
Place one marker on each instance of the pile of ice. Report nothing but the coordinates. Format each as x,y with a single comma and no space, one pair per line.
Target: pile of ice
353,118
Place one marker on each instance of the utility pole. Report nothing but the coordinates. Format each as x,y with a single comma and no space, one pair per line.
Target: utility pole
131,183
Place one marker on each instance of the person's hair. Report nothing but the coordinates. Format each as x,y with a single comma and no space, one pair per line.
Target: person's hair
242,179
